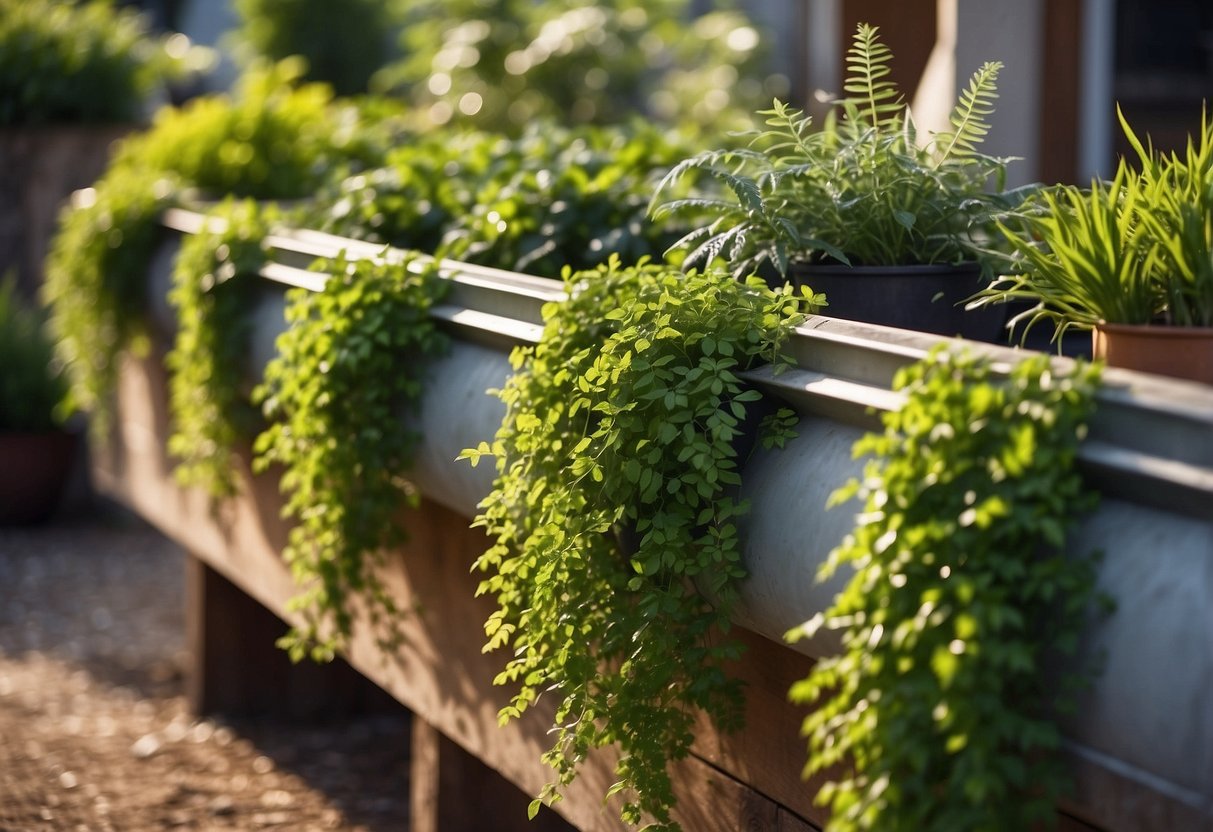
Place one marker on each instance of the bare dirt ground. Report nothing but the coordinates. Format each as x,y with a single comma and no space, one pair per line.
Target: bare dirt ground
94,729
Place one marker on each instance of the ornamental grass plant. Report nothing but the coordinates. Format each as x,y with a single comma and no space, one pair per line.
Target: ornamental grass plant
1134,250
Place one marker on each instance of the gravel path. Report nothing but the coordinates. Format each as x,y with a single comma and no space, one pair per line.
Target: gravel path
94,729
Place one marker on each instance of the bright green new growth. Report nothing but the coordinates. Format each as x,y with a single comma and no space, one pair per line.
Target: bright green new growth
214,287
865,189
938,714
348,368
578,62
1136,250
615,499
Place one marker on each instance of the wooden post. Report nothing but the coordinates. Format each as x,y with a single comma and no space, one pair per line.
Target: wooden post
423,778
237,669
450,790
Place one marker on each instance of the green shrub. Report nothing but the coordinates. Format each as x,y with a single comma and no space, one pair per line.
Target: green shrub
500,64
550,198
81,62
273,138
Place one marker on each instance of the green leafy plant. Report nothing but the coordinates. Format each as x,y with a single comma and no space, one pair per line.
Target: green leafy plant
549,198
615,499
272,139
938,714
865,189
348,368
31,386
501,64
214,286
1136,250
82,62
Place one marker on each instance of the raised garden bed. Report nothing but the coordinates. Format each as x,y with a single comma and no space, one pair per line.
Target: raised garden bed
1139,748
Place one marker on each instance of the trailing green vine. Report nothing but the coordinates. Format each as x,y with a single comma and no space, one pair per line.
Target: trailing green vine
272,139
95,275
615,499
938,711
348,369
214,286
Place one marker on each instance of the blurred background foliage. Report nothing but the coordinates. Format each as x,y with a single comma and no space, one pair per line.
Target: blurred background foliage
84,62
501,64
343,41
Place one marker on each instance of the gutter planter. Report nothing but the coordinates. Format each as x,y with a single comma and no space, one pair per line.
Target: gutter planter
1139,746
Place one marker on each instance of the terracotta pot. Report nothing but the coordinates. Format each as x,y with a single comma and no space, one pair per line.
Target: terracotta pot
36,467
923,298
1176,351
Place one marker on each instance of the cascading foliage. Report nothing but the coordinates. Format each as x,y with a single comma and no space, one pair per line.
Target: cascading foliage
215,283
939,713
615,499
272,139
349,367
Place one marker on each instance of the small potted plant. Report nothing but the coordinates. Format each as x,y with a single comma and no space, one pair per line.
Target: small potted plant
887,222
1130,259
35,452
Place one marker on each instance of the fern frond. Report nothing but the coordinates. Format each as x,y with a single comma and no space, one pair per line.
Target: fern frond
745,189
710,249
790,129
968,118
876,99
690,205
716,163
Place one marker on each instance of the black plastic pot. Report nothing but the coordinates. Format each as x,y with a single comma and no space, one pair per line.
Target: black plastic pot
923,298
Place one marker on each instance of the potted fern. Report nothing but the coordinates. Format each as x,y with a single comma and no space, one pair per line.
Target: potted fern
1130,259
887,222
35,453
